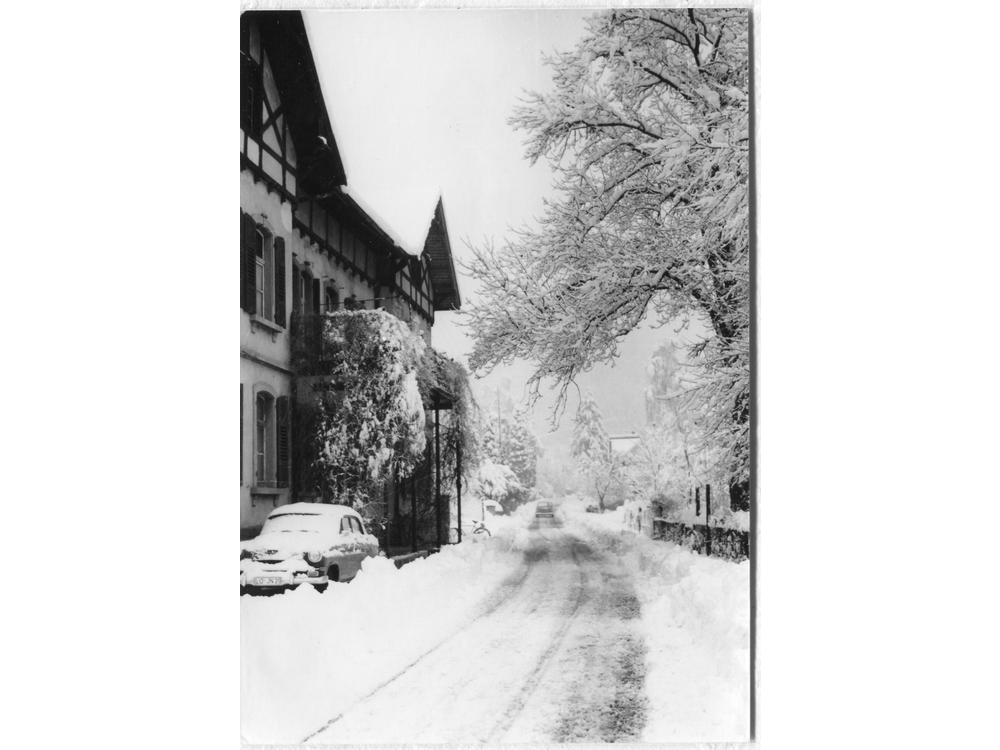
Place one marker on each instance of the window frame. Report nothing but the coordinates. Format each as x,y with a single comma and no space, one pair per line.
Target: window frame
264,278
265,440
306,282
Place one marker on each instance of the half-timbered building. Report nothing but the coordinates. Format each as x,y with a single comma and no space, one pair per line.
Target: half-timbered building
306,248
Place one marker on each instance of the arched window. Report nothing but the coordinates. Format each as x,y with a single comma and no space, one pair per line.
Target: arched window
271,440
264,448
331,300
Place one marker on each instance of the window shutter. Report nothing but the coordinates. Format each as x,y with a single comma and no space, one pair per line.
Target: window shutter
248,264
246,91
241,434
315,309
284,434
279,281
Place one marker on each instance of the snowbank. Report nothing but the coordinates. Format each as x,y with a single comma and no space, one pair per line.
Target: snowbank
696,624
307,656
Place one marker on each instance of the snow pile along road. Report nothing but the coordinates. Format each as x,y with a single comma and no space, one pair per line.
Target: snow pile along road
696,625
306,656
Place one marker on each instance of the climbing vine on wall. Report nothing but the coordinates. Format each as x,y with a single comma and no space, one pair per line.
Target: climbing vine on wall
369,417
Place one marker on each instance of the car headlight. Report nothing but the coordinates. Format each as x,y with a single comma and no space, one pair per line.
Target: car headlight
314,557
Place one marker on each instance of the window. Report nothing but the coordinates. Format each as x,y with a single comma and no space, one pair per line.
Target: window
264,441
250,78
263,284
307,293
262,272
331,300
296,289
271,442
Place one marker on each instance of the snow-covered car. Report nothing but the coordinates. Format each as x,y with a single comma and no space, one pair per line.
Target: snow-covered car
544,508
305,543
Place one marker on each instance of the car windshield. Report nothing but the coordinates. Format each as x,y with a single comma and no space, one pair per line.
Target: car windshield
301,522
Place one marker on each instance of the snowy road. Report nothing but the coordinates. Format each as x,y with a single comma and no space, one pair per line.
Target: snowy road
554,656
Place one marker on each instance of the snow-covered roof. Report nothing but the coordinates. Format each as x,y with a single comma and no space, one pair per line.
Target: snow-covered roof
404,204
290,57
405,214
624,443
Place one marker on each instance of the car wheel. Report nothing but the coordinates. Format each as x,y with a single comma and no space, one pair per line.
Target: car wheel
321,587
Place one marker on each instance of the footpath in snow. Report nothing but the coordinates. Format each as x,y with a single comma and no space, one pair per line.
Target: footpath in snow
309,657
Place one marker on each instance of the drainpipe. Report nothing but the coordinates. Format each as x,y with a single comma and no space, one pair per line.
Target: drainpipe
458,479
413,509
437,465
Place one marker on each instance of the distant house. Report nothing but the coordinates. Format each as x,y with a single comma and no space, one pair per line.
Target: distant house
307,248
625,443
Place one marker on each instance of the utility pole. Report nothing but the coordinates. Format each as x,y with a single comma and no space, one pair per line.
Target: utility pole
499,430
437,465
708,520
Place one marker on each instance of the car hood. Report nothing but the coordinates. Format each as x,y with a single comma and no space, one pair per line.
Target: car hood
284,544
287,543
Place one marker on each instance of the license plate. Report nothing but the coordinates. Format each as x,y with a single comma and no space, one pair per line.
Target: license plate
267,581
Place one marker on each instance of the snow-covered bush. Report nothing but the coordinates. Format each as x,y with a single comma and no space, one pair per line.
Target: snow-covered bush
369,420
499,483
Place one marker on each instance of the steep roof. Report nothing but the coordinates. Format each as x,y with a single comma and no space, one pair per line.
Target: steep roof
400,222
320,167
442,263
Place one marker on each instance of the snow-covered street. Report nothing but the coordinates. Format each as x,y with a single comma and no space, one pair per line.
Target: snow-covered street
552,657
542,633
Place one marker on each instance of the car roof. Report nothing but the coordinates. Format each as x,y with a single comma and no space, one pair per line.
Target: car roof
313,509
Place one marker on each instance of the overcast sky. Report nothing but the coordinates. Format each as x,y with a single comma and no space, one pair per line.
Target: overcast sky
419,101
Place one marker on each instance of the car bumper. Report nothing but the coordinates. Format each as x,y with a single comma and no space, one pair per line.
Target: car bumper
274,579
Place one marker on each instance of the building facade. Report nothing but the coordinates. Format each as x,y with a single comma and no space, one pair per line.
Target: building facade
307,248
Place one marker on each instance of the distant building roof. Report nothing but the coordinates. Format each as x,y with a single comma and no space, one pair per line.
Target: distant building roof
624,443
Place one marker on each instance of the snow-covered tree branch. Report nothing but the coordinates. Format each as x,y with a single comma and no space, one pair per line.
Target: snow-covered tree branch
648,130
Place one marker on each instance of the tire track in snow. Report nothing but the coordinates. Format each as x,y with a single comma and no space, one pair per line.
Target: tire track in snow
605,699
530,556
517,705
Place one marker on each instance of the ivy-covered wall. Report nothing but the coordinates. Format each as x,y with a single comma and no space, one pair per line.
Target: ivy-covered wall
365,400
